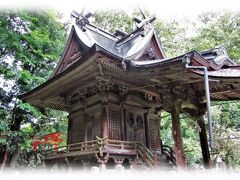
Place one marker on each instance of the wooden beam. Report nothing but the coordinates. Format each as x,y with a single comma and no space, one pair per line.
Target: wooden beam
204,143
177,137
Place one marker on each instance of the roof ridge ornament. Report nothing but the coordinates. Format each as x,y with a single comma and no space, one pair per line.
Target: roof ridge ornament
81,19
144,24
221,55
140,23
221,50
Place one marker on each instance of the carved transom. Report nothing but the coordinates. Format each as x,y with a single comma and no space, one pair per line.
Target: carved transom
176,94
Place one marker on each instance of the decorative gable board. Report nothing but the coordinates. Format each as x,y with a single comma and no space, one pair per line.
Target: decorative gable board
73,52
153,50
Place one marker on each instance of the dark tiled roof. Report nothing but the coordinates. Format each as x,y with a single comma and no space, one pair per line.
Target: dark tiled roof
127,48
217,56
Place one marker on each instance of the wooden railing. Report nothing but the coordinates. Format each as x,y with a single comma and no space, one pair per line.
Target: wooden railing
77,148
104,144
116,144
89,147
145,154
170,153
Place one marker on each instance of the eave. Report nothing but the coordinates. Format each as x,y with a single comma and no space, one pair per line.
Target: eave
49,94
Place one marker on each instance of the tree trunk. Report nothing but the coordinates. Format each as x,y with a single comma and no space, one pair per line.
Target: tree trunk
17,118
4,161
14,158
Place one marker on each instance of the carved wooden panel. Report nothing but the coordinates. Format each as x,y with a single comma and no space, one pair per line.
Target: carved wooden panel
153,51
114,126
135,126
72,53
130,121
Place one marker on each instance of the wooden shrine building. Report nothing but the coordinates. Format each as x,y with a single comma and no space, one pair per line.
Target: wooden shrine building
114,87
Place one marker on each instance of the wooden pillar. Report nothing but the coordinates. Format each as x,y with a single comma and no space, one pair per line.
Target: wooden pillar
177,136
158,137
204,143
104,120
85,124
146,121
122,123
69,131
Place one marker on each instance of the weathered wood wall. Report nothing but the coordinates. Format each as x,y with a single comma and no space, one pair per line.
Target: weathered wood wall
128,122
84,125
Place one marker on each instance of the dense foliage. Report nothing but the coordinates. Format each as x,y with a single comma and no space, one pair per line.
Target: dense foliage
219,28
32,42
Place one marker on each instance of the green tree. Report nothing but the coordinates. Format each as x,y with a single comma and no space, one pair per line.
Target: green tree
212,30
218,28
31,44
172,36
111,20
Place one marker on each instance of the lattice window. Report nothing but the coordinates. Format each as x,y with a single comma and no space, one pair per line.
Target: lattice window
114,124
152,128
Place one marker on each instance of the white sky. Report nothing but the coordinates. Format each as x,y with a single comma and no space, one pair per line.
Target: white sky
164,9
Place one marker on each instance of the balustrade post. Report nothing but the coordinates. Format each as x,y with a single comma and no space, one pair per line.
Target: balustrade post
81,147
122,145
85,146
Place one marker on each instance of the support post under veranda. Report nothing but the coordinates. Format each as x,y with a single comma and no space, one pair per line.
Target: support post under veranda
177,137
204,143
